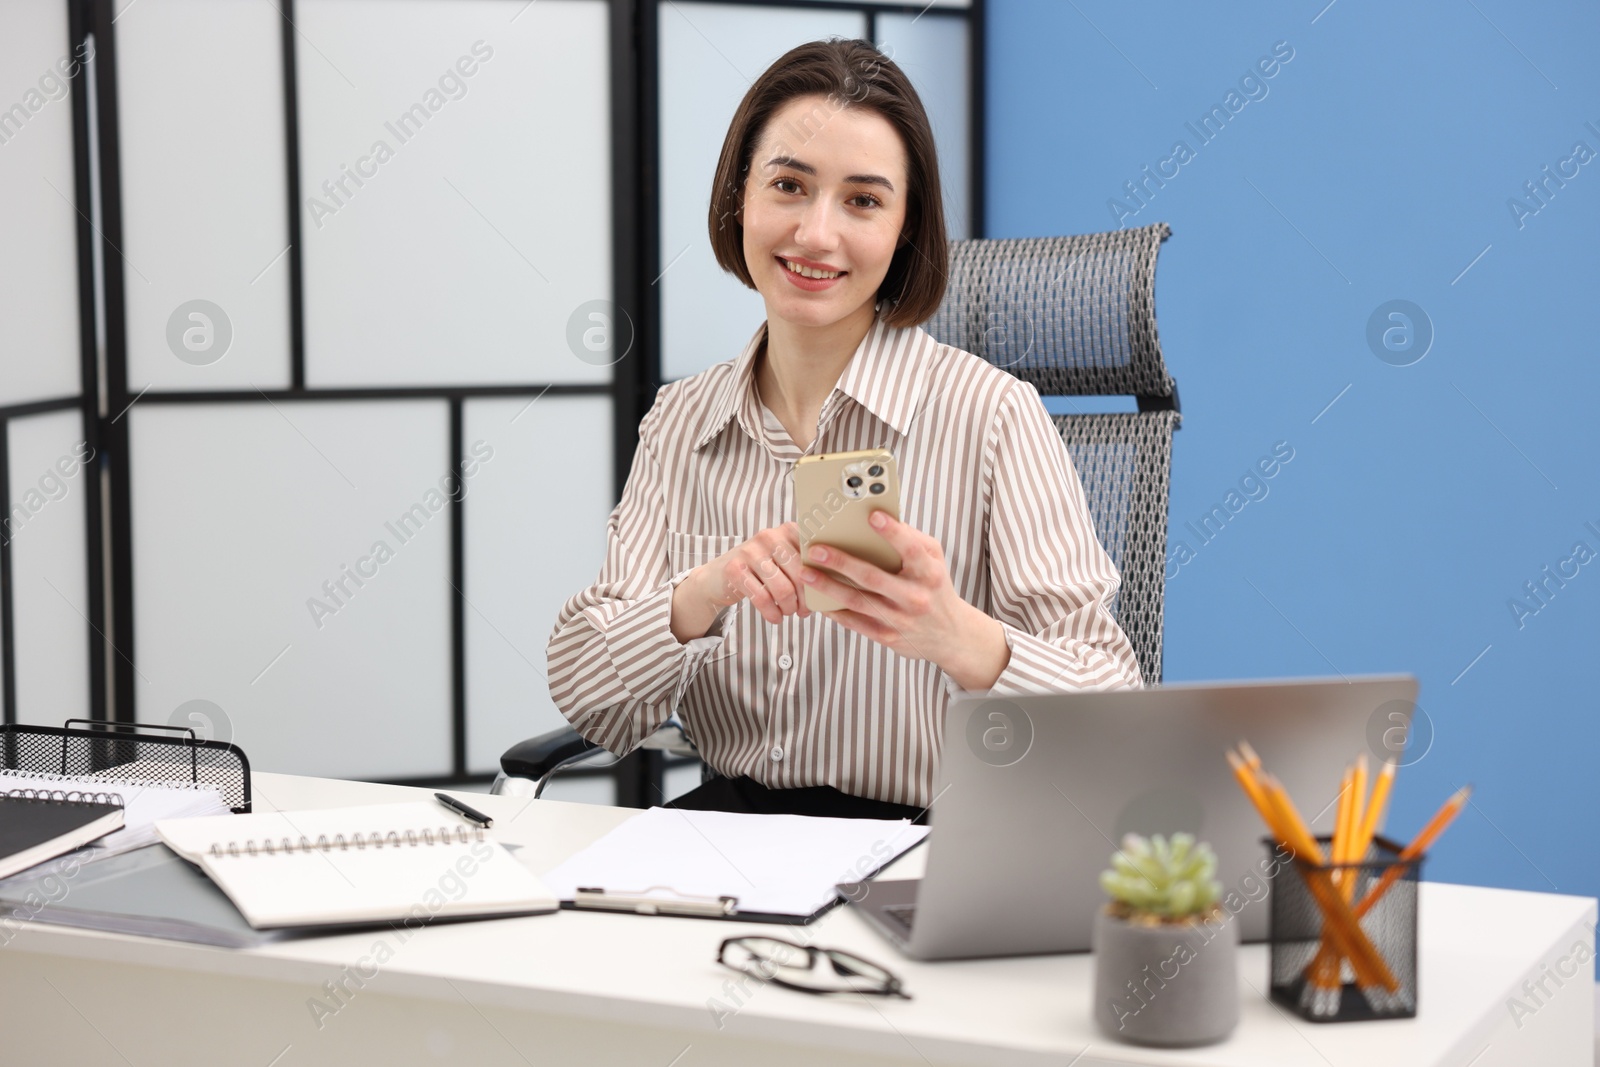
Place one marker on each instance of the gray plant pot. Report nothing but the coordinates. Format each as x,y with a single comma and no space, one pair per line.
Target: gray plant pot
1166,985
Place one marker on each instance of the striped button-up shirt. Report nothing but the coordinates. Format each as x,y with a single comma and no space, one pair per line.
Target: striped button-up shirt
805,701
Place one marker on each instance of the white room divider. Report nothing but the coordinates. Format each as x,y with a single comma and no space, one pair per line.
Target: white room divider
328,328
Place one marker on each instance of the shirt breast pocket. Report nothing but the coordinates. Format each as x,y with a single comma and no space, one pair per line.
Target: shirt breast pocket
687,551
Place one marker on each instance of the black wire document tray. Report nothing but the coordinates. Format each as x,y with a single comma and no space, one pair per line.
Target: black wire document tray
128,752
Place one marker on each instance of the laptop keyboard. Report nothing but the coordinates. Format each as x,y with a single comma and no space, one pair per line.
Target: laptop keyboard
905,913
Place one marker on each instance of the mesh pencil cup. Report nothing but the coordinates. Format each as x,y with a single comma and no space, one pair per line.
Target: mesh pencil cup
1320,968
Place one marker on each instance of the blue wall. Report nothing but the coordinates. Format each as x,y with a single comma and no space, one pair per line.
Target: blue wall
1377,166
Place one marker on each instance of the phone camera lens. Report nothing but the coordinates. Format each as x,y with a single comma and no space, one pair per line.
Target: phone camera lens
876,472
876,487
854,481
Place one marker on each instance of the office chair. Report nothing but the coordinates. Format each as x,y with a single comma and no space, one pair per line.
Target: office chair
1075,316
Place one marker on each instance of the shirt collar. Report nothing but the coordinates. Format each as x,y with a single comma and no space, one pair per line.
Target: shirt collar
884,375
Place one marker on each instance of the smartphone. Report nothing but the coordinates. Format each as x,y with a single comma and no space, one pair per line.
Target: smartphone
834,494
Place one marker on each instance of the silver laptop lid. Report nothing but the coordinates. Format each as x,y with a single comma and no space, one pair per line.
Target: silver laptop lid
1035,793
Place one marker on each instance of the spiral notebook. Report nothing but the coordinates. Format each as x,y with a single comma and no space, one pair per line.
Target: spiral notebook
143,802
41,824
377,863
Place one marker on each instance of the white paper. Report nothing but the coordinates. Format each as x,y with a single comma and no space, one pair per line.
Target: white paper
779,864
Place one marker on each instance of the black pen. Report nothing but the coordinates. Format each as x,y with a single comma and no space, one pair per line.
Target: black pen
461,809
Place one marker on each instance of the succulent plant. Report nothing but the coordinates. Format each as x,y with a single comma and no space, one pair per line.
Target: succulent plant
1170,880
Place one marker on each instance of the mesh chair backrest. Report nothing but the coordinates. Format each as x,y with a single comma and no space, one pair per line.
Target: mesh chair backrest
1075,316
1125,462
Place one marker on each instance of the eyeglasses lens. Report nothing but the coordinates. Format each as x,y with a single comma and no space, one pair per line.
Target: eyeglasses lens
782,961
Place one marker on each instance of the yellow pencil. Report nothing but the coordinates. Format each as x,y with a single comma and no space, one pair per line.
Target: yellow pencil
1348,850
1356,855
1325,971
1430,833
1341,829
1380,799
1252,789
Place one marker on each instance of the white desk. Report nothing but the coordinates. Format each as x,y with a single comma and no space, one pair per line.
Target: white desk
616,989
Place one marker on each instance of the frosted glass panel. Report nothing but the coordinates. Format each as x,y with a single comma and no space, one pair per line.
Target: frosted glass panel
933,52
38,249
466,215
49,566
205,218
535,535
710,55
292,567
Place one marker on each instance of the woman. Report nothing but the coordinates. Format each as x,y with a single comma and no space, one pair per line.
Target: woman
826,201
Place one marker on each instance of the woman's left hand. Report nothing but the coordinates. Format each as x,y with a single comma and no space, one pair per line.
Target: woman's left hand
917,612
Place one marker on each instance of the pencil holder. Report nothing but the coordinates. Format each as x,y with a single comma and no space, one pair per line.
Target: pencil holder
1320,967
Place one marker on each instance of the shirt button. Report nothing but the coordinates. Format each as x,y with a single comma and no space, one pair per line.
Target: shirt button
785,661
777,753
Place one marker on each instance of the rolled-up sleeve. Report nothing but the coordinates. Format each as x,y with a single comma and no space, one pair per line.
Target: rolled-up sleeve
616,671
1051,581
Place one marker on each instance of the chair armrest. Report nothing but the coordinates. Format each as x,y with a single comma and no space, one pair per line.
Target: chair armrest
671,739
538,757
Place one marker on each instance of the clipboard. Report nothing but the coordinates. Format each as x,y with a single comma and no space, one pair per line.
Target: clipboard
686,905
781,869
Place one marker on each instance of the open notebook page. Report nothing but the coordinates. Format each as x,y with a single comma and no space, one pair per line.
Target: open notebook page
354,865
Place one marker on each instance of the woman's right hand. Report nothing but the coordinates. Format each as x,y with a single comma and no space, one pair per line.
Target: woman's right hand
765,570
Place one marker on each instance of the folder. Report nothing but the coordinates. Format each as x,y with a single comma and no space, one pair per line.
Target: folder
150,892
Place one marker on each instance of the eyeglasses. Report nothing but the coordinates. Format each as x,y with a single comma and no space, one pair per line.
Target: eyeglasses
798,967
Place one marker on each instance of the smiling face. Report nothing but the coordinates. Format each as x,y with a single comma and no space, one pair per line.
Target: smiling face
826,191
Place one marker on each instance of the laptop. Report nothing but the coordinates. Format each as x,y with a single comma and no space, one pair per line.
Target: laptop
1035,793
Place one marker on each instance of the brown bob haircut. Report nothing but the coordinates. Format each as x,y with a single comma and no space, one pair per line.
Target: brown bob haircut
850,74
